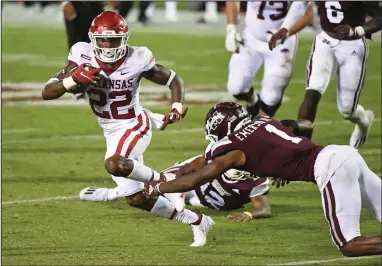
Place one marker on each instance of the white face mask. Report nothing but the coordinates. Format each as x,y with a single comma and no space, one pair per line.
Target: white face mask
117,46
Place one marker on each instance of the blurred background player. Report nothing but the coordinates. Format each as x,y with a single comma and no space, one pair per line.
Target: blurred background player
210,13
124,8
340,48
250,52
78,16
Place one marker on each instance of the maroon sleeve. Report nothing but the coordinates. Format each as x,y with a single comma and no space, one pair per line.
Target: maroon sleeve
222,147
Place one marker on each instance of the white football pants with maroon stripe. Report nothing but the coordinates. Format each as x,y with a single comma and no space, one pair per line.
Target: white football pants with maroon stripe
346,184
129,138
347,59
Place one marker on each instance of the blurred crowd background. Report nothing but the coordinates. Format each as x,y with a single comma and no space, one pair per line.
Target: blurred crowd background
78,15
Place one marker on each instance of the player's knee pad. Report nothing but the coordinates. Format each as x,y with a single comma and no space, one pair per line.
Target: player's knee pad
246,96
269,109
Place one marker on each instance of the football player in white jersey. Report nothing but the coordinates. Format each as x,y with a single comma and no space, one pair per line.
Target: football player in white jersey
250,51
110,71
339,49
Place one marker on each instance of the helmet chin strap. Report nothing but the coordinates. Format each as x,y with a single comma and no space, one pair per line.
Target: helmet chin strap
229,128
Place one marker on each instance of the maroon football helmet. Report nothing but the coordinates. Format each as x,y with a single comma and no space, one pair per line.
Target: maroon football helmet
223,119
112,27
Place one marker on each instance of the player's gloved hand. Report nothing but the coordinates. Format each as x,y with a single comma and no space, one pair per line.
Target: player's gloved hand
85,74
240,217
232,38
279,182
152,188
278,38
172,117
345,31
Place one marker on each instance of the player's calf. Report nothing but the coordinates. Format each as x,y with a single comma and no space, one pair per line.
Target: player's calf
363,246
121,166
308,107
140,201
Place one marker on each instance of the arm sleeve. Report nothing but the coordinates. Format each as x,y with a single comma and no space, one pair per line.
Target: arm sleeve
296,11
222,147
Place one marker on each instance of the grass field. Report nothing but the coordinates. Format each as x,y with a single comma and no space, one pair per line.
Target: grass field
55,151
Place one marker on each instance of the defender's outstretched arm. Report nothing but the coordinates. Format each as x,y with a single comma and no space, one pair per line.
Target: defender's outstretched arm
232,159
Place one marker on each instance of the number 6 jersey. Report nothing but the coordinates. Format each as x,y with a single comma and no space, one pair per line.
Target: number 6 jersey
116,95
271,150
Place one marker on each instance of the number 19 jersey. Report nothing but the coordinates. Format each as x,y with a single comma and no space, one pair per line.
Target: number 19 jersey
263,17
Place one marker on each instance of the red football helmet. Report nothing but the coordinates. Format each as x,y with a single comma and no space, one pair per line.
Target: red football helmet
109,26
223,119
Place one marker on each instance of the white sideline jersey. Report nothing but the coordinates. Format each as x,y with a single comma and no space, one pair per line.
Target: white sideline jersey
264,16
116,96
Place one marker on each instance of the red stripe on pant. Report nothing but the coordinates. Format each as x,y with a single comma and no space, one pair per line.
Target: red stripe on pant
337,227
127,134
134,142
327,216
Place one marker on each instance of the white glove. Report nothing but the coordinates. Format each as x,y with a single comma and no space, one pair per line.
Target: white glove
232,38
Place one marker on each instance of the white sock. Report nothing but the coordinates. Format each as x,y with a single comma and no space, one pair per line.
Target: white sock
211,7
187,217
150,10
171,8
143,173
164,208
359,117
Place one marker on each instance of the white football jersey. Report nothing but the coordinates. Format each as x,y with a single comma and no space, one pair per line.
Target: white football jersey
116,97
263,16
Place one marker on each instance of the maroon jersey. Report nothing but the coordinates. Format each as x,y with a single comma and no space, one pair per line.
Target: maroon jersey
333,13
271,150
224,192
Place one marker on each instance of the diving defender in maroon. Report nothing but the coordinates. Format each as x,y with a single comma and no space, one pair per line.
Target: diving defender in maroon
265,147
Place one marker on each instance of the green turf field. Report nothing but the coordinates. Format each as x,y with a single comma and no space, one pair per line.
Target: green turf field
55,151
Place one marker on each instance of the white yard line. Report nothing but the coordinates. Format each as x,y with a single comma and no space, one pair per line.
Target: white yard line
38,200
175,131
21,130
309,262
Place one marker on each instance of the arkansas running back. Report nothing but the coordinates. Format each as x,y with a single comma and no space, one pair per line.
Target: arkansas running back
110,72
